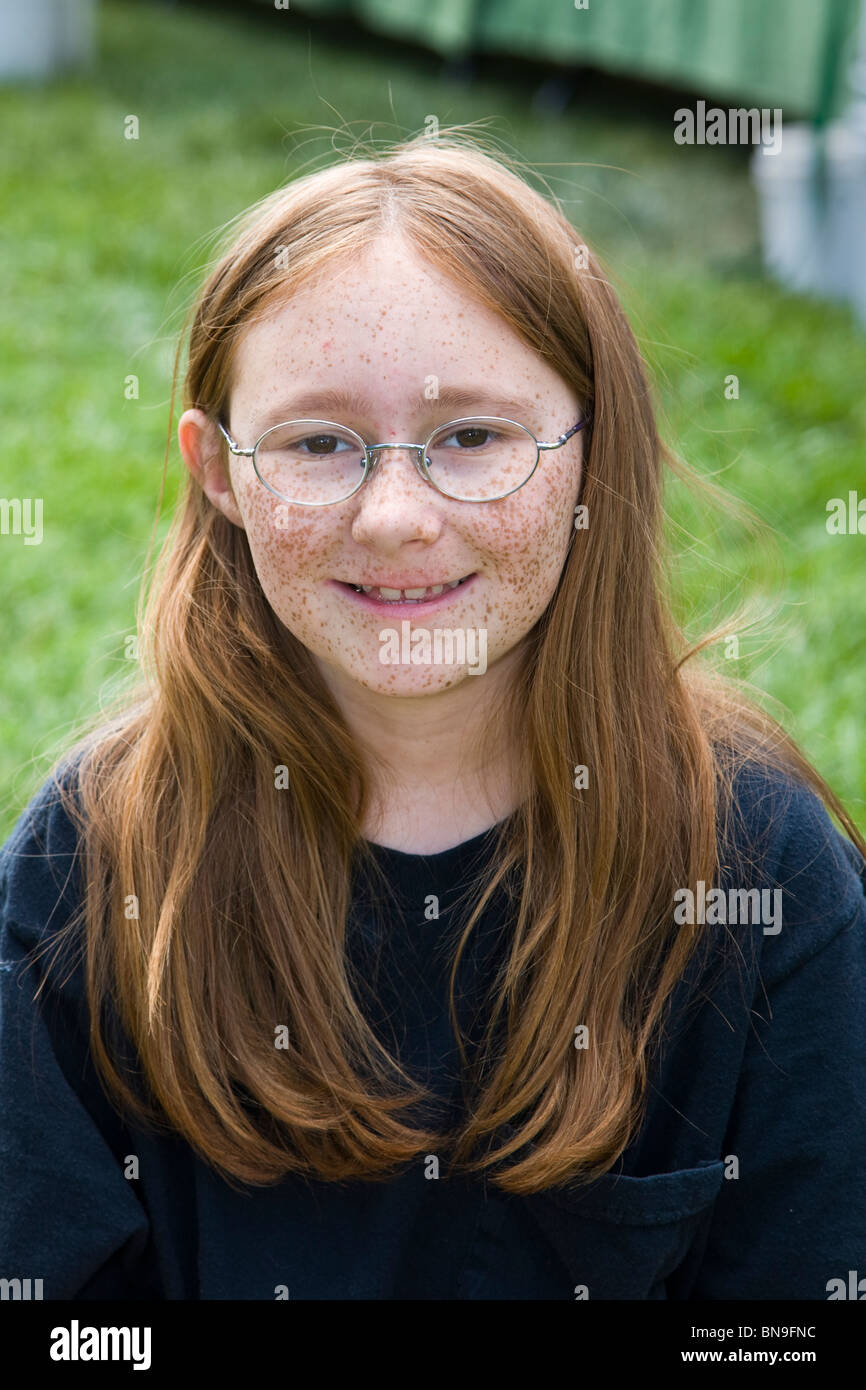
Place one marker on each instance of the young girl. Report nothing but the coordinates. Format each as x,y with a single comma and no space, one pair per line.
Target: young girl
427,926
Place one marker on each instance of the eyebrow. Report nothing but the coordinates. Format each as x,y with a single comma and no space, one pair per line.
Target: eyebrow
336,403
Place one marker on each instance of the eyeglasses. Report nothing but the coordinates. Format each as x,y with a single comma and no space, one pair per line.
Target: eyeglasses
315,463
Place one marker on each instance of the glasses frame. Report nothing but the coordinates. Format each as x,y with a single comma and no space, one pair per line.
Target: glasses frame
420,451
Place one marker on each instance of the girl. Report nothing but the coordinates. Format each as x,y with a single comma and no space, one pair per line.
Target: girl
426,926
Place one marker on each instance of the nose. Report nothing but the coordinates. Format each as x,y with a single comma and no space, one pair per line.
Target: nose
396,503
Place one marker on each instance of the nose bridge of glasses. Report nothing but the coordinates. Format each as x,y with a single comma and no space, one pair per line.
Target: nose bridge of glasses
416,452
416,448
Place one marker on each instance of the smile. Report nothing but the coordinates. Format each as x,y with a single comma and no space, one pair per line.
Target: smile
378,591
380,596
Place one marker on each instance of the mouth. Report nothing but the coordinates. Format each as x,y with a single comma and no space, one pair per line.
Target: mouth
381,598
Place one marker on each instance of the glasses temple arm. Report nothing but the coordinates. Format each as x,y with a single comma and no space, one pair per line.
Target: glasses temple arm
247,453
563,437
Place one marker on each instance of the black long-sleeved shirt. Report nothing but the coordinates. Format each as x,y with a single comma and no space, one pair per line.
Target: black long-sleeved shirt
745,1181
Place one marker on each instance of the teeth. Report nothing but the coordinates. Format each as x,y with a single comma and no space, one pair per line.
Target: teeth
405,595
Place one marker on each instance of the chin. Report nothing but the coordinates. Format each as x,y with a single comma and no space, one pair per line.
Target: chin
408,682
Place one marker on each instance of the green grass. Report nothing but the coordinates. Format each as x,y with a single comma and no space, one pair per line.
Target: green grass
102,240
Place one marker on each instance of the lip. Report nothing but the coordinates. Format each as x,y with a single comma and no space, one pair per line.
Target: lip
402,610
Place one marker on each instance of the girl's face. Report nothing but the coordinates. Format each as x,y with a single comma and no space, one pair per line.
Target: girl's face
388,330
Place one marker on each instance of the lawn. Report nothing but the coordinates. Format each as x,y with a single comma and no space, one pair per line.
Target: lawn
102,242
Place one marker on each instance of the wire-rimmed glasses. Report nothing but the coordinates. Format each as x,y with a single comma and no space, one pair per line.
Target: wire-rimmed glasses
315,463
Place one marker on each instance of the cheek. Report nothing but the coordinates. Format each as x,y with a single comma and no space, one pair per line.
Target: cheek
286,550
530,541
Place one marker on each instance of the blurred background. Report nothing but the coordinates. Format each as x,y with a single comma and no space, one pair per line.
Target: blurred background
131,132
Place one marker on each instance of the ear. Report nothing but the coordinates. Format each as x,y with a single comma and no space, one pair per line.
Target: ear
202,447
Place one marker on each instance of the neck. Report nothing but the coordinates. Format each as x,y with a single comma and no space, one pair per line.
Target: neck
432,783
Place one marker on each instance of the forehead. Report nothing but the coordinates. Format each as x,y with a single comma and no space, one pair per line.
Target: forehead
385,309
382,331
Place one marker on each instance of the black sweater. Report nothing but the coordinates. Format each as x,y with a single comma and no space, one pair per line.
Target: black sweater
746,1180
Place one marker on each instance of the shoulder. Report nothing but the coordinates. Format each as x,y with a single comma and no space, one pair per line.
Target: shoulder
41,879
777,837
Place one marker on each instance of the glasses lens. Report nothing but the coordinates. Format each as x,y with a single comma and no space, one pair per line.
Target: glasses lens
478,460
310,461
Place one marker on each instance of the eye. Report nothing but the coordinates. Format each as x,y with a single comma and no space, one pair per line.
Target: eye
469,437
321,444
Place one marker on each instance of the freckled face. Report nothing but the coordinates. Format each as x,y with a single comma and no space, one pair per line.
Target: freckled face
382,326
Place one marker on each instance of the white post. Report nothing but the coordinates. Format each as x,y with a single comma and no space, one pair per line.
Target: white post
41,37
